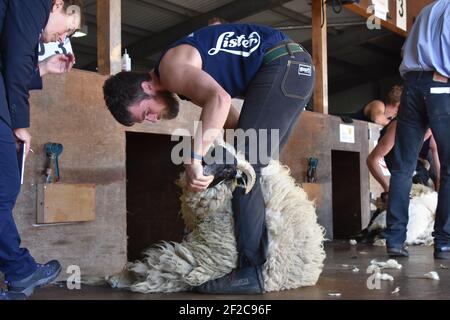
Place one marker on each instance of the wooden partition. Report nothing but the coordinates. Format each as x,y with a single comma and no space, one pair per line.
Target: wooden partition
71,111
317,135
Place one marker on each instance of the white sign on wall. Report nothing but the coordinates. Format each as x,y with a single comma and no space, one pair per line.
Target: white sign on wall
381,8
347,133
382,4
49,49
401,14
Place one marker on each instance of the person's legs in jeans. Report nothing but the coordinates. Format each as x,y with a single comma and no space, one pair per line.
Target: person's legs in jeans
411,126
275,99
15,262
438,108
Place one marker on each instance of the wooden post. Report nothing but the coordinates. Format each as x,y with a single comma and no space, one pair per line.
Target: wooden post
319,51
109,36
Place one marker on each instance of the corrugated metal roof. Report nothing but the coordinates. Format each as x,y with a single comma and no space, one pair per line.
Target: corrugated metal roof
143,18
304,7
201,6
300,6
153,19
267,17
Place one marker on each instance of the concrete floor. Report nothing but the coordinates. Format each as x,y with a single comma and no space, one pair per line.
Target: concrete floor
337,278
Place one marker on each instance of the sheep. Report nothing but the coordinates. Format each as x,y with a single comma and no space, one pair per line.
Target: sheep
295,255
422,208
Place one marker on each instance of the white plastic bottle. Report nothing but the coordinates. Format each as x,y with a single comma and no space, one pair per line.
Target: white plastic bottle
126,62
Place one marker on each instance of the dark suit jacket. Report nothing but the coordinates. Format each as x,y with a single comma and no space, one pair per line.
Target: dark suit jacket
21,24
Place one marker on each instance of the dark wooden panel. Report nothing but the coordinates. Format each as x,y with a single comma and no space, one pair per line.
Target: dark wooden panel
153,204
315,135
346,199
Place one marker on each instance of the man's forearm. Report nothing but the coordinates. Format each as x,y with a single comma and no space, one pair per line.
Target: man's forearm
212,120
232,119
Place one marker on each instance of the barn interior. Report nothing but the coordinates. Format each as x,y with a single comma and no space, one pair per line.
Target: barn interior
117,195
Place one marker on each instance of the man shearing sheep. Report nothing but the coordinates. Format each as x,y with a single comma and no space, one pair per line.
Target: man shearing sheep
209,67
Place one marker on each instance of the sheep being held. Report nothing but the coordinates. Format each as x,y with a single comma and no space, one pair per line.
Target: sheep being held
208,251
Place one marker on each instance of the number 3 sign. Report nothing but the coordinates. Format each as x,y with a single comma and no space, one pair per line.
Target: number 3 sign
48,49
401,14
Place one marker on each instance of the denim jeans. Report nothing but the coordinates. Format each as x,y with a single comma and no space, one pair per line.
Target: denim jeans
420,108
275,99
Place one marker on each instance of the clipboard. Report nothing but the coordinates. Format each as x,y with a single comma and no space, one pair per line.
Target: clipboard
21,155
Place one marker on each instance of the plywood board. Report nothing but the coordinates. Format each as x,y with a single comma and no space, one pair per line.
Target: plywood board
59,203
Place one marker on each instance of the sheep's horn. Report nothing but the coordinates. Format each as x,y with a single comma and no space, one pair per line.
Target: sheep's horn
249,172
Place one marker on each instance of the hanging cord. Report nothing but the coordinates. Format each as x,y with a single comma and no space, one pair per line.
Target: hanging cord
336,5
337,8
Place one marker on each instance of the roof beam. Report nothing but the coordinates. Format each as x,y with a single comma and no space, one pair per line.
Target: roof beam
166,6
299,17
353,36
109,36
236,10
126,28
320,56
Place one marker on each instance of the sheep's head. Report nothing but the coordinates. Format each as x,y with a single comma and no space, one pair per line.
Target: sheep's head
224,164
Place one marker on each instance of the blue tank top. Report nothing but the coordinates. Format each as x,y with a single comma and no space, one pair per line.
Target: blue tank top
359,115
231,53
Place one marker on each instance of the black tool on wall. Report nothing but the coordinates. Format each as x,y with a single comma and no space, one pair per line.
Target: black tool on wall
53,151
312,170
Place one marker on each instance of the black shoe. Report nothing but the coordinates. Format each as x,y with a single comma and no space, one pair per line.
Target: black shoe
8,295
247,280
394,252
44,275
442,253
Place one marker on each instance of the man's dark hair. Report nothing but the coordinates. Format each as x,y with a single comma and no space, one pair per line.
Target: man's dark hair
125,88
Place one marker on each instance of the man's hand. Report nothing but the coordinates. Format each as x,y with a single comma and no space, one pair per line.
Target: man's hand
57,64
195,178
24,136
